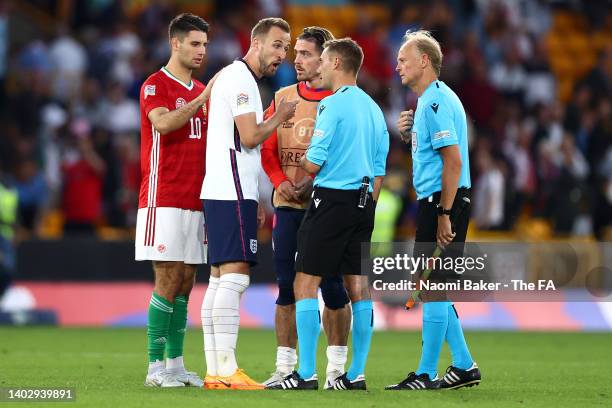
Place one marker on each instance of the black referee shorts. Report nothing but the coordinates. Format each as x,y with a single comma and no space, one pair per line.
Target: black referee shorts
330,236
427,230
427,218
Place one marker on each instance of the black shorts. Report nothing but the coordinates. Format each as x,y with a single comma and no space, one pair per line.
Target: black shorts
427,220
332,231
427,230
286,224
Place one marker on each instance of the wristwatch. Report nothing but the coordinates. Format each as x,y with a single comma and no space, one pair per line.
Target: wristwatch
442,210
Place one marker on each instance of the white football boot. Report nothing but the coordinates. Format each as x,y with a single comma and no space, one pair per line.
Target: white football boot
162,378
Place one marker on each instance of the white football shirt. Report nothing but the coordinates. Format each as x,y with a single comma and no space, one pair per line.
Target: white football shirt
232,170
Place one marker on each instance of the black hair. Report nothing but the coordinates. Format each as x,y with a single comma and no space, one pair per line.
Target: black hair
182,24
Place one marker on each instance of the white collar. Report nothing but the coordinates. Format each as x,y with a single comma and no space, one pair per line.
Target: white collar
169,75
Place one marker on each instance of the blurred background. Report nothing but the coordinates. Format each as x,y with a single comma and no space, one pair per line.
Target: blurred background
534,77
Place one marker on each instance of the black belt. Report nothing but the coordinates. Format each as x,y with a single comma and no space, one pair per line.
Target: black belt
334,192
435,197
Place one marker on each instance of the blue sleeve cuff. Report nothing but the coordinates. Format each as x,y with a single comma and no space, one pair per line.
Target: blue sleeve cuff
380,169
315,158
444,142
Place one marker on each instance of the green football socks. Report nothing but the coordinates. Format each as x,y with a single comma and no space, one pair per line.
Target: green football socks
178,325
158,325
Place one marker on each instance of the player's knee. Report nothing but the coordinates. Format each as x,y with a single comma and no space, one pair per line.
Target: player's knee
286,295
167,288
237,282
334,294
357,288
186,287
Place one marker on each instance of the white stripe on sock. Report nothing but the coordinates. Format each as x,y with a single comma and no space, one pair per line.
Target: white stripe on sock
159,305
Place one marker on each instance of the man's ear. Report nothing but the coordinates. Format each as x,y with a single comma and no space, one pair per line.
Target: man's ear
336,62
255,43
174,42
424,60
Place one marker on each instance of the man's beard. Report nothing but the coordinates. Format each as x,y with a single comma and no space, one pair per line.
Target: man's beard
304,77
263,68
189,64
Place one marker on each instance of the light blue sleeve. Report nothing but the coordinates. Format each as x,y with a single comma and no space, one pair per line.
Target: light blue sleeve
440,124
324,129
380,162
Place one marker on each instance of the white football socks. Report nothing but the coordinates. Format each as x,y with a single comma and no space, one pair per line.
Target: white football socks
175,365
207,326
336,358
226,320
286,359
155,366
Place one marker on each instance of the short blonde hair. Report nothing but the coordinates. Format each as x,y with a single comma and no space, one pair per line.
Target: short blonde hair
426,44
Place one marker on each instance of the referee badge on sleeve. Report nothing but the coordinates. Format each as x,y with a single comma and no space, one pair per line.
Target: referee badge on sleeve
415,142
442,134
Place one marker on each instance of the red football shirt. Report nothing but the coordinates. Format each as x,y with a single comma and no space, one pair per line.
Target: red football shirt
82,193
172,165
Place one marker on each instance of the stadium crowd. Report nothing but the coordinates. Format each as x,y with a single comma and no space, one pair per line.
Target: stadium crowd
534,77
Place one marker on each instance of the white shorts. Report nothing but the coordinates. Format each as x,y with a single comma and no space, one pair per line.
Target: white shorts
170,234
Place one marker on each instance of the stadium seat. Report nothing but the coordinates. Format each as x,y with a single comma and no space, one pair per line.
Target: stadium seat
347,18
378,13
535,229
52,225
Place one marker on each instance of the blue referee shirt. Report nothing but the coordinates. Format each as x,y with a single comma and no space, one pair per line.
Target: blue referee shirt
439,121
350,140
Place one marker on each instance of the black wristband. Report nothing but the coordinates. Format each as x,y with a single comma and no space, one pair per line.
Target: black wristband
442,210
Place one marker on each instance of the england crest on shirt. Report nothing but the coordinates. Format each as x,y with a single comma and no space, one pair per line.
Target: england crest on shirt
254,246
415,141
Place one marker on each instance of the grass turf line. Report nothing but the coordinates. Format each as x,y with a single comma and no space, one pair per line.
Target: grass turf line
107,368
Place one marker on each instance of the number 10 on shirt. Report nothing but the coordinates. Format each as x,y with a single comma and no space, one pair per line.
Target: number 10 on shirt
196,128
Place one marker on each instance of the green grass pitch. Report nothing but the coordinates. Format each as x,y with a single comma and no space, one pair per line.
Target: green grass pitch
107,369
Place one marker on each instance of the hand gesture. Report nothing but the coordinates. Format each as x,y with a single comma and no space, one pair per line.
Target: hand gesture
303,188
286,109
404,124
287,191
205,95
